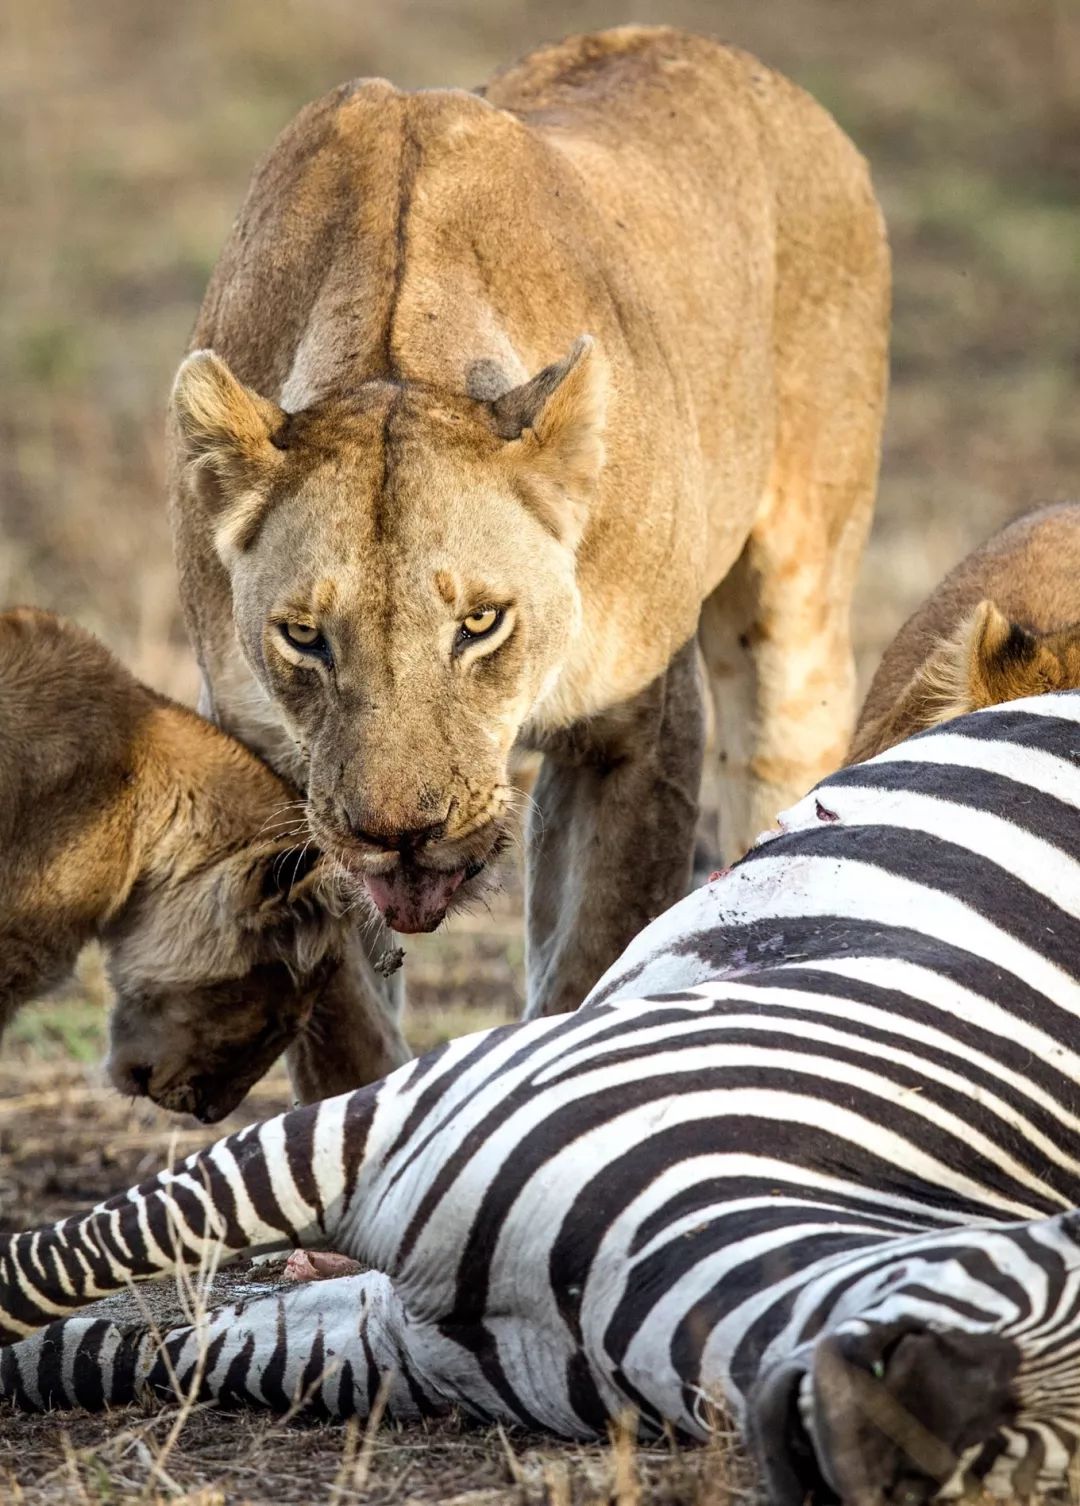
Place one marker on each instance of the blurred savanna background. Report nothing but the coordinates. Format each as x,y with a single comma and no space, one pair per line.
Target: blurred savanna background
129,130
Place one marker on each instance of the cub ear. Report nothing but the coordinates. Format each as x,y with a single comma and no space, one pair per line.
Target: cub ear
281,879
229,431
1003,661
987,660
555,422
282,908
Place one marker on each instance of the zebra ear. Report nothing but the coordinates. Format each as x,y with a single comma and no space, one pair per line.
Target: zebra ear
896,1406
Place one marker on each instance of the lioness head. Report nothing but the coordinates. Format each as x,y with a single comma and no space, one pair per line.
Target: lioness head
990,659
402,565
215,970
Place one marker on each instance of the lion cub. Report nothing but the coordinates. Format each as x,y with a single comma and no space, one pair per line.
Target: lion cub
130,820
1004,624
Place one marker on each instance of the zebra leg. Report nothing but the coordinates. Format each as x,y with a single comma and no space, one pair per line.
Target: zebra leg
287,1182
330,1347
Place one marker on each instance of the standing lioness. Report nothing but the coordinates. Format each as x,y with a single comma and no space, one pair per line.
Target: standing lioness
525,389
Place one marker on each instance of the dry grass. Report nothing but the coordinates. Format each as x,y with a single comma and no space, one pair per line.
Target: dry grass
130,128
99,1462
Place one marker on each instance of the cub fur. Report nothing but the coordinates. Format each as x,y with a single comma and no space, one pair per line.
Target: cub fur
129,820
1004,624
498,400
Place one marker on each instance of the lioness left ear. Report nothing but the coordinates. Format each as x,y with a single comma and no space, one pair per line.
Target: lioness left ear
228,431
555,422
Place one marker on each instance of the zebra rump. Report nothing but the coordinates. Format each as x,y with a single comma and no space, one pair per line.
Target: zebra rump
809,1154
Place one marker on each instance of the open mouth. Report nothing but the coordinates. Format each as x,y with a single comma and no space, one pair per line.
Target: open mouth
412,898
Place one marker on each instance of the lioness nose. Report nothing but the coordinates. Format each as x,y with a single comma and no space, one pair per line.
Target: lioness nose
395,841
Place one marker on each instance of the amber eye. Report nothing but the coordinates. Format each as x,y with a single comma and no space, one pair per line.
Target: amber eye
478,624
306,638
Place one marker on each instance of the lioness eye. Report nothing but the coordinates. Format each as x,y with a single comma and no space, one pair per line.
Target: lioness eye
479,624
306,638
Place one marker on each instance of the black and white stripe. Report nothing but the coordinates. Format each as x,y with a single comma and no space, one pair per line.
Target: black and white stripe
810,1152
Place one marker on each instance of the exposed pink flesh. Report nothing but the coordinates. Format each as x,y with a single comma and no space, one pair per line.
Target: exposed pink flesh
318,1265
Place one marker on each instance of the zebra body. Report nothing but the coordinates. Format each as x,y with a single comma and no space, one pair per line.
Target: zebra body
809,1153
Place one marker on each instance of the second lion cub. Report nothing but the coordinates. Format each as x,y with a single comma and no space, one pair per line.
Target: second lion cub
1004,624
130,820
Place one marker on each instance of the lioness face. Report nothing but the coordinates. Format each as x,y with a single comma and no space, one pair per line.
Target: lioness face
215,972
403,579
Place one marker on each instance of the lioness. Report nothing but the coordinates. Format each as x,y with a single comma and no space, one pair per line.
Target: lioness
496,401
1005,623
128,819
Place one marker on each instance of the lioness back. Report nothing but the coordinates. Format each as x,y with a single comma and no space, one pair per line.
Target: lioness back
1004,623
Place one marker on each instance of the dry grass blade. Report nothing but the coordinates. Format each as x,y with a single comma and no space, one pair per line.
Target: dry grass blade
360,1468
625,1485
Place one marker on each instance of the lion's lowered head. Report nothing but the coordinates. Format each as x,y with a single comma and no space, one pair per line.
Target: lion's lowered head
403,575
216,963
988,658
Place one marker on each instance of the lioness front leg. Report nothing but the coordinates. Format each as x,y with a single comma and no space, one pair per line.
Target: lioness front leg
611,834
776,640
353,1032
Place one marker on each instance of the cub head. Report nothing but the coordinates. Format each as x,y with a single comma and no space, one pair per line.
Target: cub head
403,575
216,968
990,659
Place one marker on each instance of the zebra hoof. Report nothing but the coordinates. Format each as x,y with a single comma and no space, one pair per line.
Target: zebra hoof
883,1414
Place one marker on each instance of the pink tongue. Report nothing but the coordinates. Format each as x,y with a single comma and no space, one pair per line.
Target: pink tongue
413,899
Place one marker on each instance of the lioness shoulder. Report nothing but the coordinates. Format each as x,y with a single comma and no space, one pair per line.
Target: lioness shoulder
1004,623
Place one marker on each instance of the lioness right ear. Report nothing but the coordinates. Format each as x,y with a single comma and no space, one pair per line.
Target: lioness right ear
555,423
227,430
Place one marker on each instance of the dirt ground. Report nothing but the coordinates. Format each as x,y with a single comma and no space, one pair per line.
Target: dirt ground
130,128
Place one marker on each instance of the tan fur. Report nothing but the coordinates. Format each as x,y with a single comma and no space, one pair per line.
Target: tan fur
1004,624
129,820
603,344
